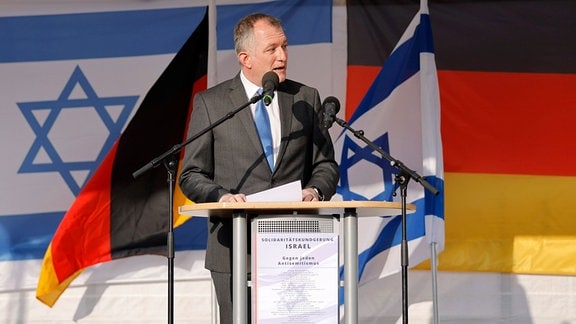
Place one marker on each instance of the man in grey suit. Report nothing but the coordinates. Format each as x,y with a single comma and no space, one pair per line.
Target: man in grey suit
229,162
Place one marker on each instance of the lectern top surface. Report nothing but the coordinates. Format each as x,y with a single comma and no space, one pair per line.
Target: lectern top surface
361,208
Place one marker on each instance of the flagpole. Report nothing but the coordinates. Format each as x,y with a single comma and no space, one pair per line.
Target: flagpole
434,282
433,244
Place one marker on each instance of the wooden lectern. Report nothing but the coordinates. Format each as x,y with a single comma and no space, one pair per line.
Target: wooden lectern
349,211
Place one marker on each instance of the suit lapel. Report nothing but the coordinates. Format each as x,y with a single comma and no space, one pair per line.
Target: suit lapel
285,102
238,98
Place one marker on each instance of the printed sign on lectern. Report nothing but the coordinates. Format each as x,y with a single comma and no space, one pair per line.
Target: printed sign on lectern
295,271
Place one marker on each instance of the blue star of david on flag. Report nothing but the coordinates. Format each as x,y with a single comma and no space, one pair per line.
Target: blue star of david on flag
61,125
354,154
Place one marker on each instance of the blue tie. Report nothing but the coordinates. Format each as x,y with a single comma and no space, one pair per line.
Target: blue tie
263,126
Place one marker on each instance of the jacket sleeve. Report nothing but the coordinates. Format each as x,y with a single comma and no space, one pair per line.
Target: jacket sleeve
196,179
325,171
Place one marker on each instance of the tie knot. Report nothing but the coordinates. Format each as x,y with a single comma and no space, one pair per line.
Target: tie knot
259,91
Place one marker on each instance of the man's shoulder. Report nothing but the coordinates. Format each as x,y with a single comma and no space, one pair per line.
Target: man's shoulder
288,86
294,87
221,87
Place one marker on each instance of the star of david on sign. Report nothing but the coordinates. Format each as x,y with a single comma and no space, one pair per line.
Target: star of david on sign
359,160
61,125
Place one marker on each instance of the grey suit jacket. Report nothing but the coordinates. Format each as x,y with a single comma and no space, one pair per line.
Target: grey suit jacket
230,158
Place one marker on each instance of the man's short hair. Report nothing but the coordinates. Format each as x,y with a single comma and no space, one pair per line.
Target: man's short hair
243,32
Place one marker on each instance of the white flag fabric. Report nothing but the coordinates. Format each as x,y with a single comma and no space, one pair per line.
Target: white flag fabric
401,114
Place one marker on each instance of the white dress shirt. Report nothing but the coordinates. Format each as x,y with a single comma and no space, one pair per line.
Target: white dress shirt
273,113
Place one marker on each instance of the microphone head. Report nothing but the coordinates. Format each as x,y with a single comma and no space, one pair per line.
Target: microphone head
330,108
332,104
270,81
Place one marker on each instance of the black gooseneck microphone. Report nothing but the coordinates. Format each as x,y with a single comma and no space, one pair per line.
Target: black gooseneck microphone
270,82
330,107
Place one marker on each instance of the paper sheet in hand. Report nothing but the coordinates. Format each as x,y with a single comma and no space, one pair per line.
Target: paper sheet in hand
288,192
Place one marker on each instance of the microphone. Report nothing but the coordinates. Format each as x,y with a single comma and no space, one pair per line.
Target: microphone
270,82
330,108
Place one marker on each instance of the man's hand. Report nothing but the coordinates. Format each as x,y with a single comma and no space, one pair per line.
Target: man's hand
309,194
233,198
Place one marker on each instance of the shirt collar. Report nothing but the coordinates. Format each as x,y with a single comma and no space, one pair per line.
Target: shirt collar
250,87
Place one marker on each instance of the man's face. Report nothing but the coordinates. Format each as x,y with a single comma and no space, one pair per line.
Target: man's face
268,52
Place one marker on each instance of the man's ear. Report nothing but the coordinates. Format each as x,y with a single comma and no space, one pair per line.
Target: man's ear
244,59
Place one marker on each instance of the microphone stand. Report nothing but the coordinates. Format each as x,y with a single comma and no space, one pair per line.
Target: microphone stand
401,180
169,161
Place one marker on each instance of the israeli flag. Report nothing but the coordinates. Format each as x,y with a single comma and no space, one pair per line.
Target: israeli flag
401,114
72,77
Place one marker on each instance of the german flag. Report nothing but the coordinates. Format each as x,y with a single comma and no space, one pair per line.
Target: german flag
115,215
507,74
